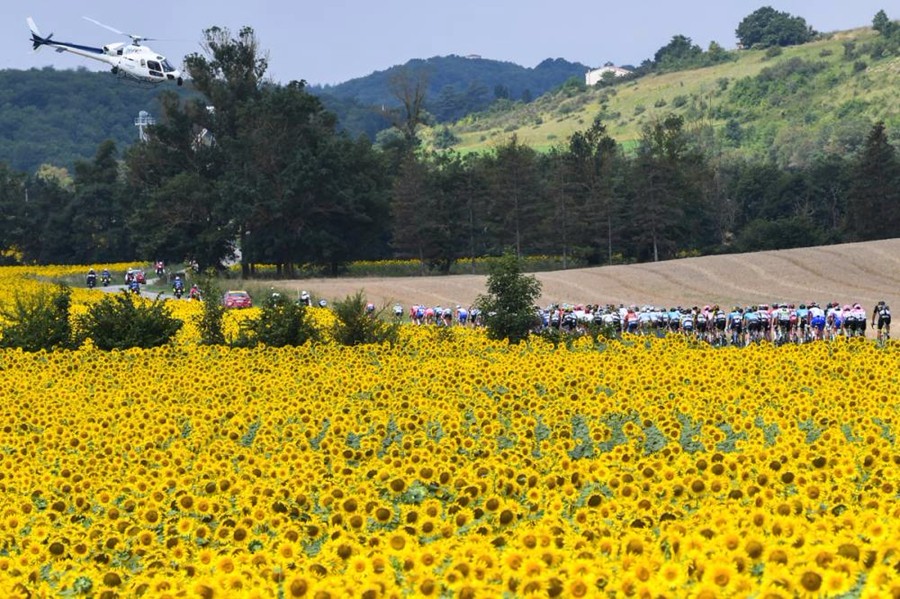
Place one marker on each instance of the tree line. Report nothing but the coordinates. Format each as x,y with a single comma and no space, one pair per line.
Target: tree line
262,171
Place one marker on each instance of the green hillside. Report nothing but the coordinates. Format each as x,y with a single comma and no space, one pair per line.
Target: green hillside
60,117
820,94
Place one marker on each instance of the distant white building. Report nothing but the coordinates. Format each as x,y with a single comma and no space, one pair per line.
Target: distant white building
593,76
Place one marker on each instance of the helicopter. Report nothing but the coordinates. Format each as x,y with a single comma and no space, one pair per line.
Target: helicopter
130,61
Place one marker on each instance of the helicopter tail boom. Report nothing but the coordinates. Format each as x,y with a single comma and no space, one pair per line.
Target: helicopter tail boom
37,40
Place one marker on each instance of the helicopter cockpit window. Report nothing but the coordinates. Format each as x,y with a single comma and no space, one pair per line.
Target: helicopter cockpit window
153,65
167,66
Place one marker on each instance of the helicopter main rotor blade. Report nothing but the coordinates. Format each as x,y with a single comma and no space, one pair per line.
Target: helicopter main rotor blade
96,22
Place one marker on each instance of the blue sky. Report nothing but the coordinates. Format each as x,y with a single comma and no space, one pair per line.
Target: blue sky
333,41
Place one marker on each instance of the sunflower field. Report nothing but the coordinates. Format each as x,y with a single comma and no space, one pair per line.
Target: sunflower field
448,465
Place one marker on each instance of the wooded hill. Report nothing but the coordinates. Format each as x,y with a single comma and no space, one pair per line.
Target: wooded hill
455,86
59,117
786,103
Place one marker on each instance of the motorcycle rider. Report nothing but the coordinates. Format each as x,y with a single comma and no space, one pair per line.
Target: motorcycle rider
178,286
91,279
105,277
194,293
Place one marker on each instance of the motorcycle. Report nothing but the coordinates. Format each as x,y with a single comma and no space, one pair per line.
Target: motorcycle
178,291
105,279
91,281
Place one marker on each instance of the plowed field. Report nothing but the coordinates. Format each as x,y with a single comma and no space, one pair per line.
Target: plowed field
864,272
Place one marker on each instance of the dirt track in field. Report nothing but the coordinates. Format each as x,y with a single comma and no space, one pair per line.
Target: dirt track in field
864,272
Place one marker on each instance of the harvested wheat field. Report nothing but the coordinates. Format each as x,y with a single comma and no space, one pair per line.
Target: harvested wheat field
865,272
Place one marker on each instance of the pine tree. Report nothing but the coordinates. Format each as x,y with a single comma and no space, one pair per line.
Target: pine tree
874,195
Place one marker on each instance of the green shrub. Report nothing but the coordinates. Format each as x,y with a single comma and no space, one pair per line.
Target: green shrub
39,321
354,326
209,323
280,323
121,321
508,306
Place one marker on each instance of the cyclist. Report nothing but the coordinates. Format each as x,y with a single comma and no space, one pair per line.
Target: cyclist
817,321
802,323
735,325
782,323
882,313
462,316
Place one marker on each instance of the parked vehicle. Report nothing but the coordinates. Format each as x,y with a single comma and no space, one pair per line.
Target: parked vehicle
237,299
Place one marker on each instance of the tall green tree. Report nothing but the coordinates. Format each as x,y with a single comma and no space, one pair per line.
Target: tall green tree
409,209
43,233
679,51
769,27
175,180
410,88
432,209
670,209
12,200
516,207
873,199
98,210
256,166
592,156
349,207
883,25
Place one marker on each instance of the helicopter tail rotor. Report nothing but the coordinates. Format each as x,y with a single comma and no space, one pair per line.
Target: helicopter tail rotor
36,39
